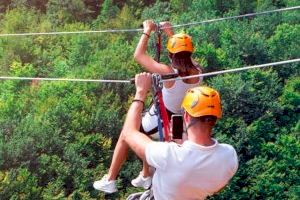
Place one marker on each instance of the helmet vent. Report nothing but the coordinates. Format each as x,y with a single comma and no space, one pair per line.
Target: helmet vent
173,44
204,94
194,103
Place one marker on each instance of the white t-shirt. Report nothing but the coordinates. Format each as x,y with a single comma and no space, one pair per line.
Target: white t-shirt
190,171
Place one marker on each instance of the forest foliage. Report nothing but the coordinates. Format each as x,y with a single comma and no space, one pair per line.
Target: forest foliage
56,138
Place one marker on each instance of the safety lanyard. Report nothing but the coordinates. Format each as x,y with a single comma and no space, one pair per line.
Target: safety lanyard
158,42
162,115
155,89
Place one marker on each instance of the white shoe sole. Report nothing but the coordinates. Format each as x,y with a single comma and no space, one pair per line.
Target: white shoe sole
140,186
105,190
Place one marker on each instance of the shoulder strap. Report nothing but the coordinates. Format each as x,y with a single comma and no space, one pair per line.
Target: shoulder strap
147,195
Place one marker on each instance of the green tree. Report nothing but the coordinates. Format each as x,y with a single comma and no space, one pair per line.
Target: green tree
107,12
248,95
274,174
56,138
286,37
66,11
19,184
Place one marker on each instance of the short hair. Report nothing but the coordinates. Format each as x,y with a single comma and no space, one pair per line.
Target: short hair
210,119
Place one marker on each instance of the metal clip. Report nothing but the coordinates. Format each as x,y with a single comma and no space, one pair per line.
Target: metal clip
156,83
158,28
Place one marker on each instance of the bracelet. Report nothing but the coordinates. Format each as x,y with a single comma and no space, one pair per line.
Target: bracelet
137,100
146,34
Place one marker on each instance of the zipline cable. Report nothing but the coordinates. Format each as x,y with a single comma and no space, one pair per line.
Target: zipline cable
237,17
234,70
136,30
163,80
63,79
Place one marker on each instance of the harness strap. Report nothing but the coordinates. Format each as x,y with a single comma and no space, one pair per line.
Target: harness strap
159,123
164,116
158,42
156,88
147,195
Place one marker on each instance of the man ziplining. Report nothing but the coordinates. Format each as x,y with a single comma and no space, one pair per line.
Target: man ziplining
201,166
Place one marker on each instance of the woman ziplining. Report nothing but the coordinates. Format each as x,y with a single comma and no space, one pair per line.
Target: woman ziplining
180,49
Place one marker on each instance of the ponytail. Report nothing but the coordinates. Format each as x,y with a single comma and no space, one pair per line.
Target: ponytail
182,61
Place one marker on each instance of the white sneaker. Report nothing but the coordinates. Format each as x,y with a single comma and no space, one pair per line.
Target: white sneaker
140,181
105,185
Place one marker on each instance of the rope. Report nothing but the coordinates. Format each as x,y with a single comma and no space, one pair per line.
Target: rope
238,16
136,30
64,79
164,116
70,32
164,80
234,70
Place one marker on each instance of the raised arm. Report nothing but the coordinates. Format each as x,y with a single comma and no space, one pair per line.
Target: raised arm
136,140
141,56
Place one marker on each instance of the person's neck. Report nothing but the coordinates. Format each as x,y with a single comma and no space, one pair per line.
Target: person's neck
201,136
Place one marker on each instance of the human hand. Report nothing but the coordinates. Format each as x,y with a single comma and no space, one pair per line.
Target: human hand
167,28
142,84
149,26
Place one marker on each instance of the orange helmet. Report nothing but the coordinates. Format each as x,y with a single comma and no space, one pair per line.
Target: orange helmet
180,42
202,101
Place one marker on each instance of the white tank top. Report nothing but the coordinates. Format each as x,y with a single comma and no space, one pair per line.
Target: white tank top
173,96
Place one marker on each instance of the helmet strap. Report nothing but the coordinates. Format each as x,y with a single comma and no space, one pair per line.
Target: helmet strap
190,124
193,122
